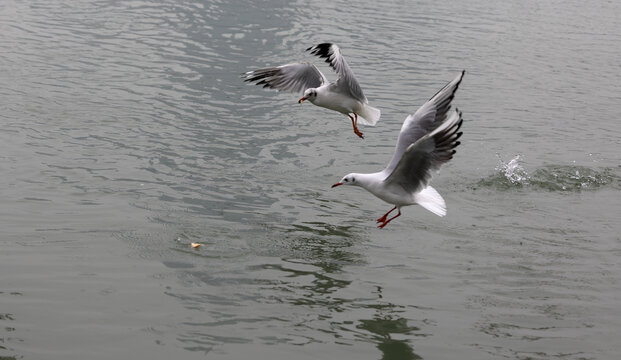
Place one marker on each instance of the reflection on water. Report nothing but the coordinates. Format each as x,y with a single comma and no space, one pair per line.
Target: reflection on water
387,324
299,291
8,336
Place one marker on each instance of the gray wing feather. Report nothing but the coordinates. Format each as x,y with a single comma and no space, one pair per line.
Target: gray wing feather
295,77
346,82
415,168
426,118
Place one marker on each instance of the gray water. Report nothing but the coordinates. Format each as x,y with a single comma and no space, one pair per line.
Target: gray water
127,134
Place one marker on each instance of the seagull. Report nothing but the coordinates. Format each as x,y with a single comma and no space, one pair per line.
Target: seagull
427,140
345,95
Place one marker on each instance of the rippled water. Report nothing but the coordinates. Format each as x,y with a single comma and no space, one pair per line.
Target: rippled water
551,177
128,134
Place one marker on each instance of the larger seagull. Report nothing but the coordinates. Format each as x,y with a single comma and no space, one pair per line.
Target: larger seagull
344,95
427,140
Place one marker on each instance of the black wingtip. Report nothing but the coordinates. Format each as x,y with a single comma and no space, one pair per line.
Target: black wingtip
321,50
320,46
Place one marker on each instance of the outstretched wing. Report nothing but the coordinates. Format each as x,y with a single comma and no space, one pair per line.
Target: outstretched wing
347,82
415,168
426,118
295,77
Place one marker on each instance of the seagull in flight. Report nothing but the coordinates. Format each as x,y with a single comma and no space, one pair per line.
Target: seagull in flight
427,140
344,95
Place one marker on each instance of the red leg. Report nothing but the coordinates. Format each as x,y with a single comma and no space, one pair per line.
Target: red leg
354,123
381,226
383,218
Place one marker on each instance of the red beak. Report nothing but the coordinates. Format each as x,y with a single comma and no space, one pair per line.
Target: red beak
337,184
301,99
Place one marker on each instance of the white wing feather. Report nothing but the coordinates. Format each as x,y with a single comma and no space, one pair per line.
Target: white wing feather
295,77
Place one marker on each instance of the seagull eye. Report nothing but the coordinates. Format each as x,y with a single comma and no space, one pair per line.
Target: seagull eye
345,180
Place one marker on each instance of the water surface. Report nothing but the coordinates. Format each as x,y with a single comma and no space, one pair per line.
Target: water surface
128,134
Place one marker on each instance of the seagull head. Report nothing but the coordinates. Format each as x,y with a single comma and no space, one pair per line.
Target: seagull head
349,179
309,94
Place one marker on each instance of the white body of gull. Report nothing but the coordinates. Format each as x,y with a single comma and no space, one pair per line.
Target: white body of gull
344,95
426,141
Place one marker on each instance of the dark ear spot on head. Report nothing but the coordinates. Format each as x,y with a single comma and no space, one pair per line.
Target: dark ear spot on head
353,179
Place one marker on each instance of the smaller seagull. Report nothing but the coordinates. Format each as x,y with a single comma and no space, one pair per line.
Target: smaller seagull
345,95
427,140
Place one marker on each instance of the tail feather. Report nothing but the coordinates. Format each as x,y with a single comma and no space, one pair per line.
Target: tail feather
369,115
431,200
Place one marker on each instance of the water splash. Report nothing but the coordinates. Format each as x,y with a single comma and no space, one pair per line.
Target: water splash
511,175
513,171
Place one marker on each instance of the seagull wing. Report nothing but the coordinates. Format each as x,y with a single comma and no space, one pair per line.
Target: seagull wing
347,82
417,164
295,77
426,118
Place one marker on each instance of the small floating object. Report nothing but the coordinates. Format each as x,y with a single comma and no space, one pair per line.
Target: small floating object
195,245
